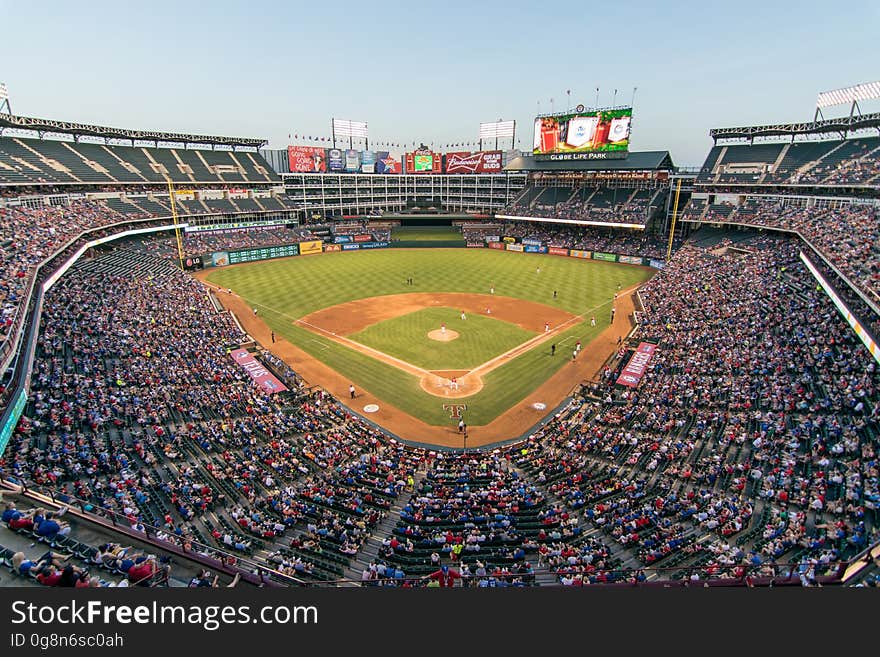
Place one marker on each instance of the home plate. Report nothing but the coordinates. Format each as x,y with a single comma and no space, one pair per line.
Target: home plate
539,406
371,408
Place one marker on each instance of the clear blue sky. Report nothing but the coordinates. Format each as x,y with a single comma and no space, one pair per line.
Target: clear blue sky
431,71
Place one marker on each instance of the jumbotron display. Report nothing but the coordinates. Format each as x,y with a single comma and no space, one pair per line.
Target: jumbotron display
584,134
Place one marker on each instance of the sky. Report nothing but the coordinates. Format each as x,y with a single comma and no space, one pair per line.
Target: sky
431,72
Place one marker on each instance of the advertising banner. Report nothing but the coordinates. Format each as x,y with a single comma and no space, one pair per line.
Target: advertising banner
307,248
607,257
374,245
535,249
368,162
17,409
557,250
307,159
509,240
335,160
577,253
424,161
475,245
496,245
342,239
261,376
656,264
630,260
480,162
235,192
632,374
515,247
528,241
387,162
192,263
583,132
352,161
363,238
350,247
492,238
184,195
332,247
219,258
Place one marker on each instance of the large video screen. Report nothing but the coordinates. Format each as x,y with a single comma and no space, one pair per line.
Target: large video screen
587,132
423,162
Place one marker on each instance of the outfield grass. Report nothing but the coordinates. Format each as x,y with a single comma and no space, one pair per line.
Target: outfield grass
289,288
406,337
426,234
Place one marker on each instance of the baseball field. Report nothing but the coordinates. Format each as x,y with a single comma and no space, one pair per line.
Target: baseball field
401,324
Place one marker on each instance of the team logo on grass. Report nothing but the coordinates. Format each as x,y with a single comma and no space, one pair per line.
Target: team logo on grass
454,410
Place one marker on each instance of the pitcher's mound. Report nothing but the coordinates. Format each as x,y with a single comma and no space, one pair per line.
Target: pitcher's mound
440,336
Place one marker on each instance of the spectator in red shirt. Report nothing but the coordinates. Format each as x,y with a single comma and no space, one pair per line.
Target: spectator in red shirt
445,576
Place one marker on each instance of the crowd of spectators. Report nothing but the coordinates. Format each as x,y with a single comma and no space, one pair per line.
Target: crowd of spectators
588,238
849,236
587,204
28,235
757,419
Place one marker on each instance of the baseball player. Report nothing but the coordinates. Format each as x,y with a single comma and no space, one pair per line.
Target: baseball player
443,328
546,327
463,316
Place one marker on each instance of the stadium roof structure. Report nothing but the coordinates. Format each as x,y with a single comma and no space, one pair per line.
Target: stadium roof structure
635,161
83,129
839,126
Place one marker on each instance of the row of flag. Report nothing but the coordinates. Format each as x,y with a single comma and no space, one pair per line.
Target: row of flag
343,141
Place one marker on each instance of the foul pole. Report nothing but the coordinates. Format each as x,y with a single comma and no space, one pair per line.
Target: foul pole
176,223
674,217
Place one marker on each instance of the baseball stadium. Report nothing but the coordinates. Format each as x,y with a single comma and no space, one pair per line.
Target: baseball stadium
346,359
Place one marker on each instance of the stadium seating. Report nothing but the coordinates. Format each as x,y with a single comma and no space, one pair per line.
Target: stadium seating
587,203
45,161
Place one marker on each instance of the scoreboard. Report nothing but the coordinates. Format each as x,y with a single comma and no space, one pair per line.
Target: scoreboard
266,253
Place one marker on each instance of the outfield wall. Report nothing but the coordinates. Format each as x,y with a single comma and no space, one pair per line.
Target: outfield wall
239,256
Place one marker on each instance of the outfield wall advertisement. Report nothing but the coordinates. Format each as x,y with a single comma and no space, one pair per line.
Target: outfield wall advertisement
310,247
577,253
515,247
607,257
557,250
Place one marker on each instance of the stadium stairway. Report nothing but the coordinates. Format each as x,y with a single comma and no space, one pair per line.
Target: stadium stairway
370,550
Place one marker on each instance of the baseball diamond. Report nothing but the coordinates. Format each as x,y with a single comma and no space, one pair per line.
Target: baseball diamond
352,317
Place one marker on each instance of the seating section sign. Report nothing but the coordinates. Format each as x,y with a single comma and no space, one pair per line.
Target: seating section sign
255,369
632,374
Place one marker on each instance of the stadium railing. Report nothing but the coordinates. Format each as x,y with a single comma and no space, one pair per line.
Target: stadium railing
223,561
